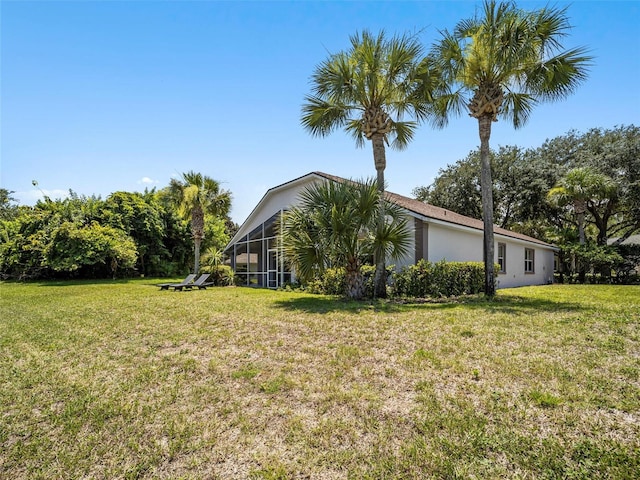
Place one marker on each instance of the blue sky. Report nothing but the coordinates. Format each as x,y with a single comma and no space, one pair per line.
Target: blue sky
99,97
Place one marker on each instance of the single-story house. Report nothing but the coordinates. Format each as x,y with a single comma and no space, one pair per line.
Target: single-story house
439,234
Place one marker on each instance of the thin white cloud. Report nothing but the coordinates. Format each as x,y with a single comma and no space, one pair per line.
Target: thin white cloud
147,181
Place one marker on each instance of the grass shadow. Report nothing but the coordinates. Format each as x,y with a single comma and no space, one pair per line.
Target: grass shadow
77,282
326,304
511,304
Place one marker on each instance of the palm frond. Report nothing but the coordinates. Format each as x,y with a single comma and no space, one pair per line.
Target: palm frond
517,107
504,48
559,76
378,75
403,134
354,128
321,117
338,221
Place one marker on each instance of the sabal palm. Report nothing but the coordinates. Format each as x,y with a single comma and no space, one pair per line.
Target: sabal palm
195,195
336,224
368,90
501,64
580,188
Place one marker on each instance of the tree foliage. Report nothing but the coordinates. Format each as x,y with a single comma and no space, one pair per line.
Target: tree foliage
600,167
8,205
95,250
87,237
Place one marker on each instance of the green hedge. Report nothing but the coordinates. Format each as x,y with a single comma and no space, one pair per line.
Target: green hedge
425,279
441,279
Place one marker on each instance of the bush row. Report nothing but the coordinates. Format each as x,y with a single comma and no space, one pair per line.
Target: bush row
424,279
441,279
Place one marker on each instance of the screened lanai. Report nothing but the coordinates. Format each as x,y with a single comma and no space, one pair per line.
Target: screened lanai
256,257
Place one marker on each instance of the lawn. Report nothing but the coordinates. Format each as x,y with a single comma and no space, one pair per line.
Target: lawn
122,380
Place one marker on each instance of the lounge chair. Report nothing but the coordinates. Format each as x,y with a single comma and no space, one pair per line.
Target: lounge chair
201,283
188,279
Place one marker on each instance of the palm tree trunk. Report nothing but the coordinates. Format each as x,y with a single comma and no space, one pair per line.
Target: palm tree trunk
380,161
354,280
486,184
580,209
580,218
196,267
197,230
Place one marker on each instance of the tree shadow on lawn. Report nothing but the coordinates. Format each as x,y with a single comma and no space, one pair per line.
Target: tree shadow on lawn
512,304
76,282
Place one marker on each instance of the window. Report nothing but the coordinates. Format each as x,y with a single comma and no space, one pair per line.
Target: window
529,260
502,257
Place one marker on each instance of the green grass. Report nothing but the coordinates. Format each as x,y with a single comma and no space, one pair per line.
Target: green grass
122,380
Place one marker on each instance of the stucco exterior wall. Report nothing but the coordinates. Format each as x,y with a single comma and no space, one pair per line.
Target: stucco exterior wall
515,275
454,244
460,244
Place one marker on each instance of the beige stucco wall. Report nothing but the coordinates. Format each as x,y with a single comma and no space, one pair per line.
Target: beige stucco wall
515,276
455,243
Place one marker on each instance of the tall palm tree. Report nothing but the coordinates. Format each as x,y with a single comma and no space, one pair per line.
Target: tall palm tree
367,90
502,63
195,195
336,225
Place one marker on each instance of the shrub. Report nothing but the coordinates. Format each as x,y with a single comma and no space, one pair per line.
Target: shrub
424,279
441,279
628,266
221,275
94,250
333,281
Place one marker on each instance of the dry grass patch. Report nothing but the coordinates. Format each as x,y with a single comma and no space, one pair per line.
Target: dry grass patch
121,380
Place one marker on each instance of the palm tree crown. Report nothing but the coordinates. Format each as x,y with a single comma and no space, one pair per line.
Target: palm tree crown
581,188
368,90
507,61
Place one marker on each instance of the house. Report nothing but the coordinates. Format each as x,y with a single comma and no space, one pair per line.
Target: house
439,234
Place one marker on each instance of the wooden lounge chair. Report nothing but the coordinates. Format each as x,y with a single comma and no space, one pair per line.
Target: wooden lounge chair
201,283
188,279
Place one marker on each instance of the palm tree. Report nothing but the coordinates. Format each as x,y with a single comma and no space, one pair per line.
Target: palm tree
502,63
196,195
336,225
582,188
368,90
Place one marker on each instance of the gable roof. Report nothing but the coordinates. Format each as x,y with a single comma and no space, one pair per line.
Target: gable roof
419,209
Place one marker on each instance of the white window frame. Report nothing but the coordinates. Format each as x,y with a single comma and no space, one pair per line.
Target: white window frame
529,260
502,259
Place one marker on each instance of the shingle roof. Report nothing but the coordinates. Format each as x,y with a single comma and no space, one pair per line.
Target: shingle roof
438,213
